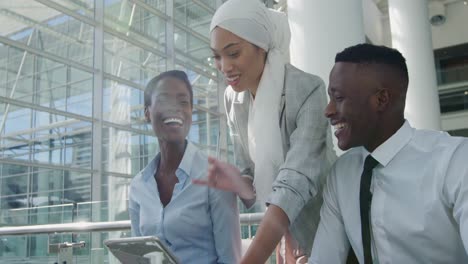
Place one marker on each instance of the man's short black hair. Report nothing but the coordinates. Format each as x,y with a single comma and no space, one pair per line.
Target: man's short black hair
153,83
372,54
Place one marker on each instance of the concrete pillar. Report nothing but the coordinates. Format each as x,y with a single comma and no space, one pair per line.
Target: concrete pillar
320,29
411,35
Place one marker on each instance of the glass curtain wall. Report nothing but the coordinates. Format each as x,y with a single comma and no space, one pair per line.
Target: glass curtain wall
72,129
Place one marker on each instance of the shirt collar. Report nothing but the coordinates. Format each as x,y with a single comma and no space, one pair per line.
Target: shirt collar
390,148
187,160
184,166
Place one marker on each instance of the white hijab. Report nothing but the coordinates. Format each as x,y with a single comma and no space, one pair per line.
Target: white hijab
269,30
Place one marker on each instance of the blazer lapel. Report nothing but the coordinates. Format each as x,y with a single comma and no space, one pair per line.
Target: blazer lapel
282,109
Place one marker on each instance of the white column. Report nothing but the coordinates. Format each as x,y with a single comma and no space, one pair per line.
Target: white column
411,35
320,29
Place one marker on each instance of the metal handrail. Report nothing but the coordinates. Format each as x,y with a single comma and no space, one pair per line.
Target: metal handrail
245,219
65,228
251,219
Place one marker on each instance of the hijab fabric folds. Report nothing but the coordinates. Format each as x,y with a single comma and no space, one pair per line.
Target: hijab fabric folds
269,30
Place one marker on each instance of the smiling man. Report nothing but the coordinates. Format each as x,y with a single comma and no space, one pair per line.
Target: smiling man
399,195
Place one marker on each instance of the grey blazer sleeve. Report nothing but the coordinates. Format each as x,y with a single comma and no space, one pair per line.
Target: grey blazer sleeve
302,175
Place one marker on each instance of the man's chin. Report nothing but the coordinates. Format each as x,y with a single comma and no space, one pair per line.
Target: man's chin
174,140
343,145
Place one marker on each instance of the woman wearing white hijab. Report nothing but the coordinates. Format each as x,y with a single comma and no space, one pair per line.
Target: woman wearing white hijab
276,122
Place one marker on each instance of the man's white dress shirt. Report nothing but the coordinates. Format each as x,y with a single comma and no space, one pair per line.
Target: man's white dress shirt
419,210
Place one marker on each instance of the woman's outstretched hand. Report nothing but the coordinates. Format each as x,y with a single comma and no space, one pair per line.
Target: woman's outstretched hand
224,176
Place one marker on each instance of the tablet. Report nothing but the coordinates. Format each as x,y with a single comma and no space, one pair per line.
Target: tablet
140,250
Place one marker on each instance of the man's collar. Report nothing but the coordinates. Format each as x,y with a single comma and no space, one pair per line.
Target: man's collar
390,148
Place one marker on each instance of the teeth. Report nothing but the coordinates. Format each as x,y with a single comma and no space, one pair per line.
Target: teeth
231,79
173,120
339,126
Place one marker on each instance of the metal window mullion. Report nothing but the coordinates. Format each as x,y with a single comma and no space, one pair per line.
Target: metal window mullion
31,74
170,16
18,133
153,10
50,89
223,130
69,12
222,117
170,31
193,33
37,25
39,140
157,52
190,66
133,41
204,6
46,55
50,149
123,81
33,106
44,166
35,69
98,84
18,74
127,128
81,117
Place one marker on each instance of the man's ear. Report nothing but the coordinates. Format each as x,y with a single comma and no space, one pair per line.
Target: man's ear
383,97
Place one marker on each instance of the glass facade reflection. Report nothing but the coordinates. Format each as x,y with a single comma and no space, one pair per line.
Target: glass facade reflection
72,131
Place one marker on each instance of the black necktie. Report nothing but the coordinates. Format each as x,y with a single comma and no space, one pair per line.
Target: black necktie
365,198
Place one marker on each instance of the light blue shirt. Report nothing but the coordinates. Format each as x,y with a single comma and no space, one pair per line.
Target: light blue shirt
419,210
199,224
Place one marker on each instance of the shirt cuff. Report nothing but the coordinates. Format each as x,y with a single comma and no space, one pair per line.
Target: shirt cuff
286,199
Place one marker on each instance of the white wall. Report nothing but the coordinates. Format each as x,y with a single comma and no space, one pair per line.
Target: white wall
455,29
